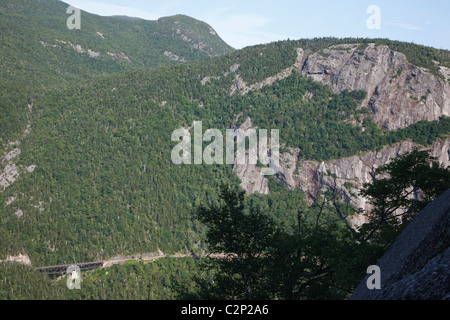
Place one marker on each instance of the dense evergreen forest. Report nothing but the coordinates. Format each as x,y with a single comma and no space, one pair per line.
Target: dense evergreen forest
104,183
37,51
317,255
165,279
102,153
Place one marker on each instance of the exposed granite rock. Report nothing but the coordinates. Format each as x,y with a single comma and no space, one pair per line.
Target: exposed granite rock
432,282
119,56
9,172
351,172
399,93
10,200
12,154
252,181
20,258
234,67
78,48
19,213
173,56
205,80
93,54
417,264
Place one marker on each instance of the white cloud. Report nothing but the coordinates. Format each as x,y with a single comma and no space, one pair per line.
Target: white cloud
404,26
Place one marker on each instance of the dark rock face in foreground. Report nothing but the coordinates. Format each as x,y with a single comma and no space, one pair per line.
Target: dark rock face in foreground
432,282
417,266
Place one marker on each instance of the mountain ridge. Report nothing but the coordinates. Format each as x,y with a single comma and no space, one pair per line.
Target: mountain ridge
93,177
100,150
38,50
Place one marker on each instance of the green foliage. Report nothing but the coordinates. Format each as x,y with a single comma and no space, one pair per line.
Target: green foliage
263,259
37,51
422,132
163,279
320,256
244,238
101,143
20,282
102,151
401,189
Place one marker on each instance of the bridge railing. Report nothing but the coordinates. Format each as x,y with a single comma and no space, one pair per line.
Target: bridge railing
61,269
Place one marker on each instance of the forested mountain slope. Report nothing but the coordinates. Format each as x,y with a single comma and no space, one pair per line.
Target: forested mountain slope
94,174
38,51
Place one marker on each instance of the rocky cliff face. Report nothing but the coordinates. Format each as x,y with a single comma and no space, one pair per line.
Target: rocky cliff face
416,266
252,181
351,173
348,175
20,258
399,93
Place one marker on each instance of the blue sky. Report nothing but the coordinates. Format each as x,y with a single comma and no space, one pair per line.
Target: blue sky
248,22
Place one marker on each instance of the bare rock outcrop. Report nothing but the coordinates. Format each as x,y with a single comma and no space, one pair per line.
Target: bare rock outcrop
78,48
119,56
252,180
19,213
93,54
173,56
432,282
9,172
399,93
416,266
349,174
20,258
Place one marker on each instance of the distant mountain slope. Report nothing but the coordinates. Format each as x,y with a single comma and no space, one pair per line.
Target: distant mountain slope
38,51
41,24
